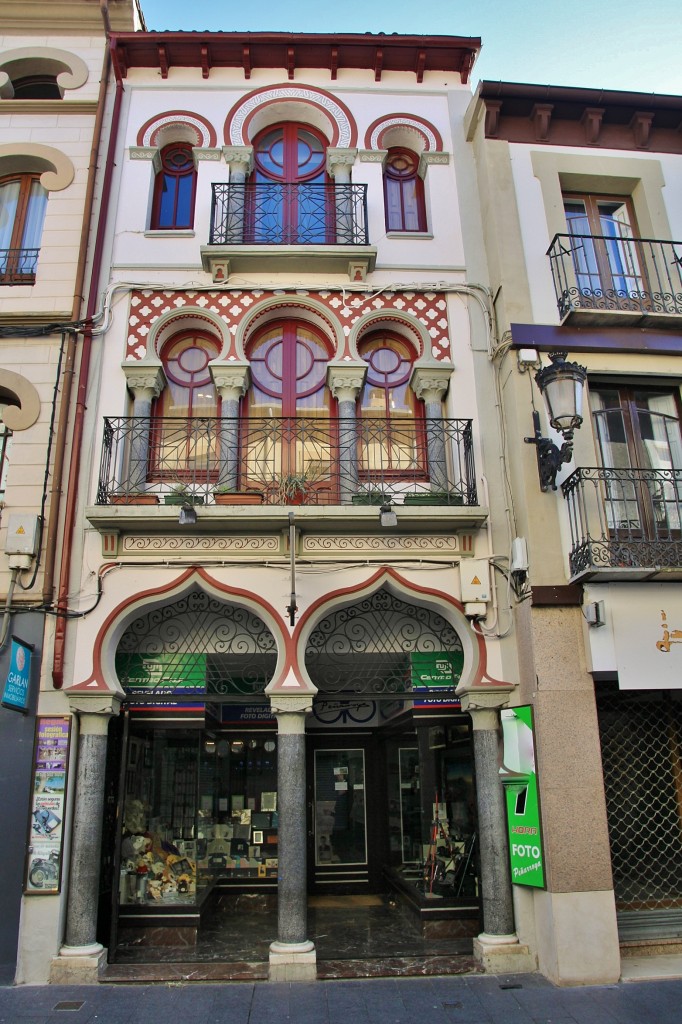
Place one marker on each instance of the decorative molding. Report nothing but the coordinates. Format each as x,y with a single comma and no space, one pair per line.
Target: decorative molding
145,377
57,169
70,70
214,153
591,121
205,544
382,545
142,152
230,377
429,135
640,126
238,117
345,380
541,116
372,156
204,132
435,379
24,415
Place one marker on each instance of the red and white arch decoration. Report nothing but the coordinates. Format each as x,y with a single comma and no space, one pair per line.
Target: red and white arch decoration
429,308
343,131
203,130
431,141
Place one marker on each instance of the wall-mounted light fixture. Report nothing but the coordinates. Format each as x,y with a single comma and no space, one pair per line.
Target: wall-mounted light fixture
387,516
188,516
561,386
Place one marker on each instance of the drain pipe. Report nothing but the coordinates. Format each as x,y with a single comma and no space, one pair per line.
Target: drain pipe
81,395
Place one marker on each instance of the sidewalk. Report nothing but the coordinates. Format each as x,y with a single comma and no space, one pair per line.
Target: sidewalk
519,999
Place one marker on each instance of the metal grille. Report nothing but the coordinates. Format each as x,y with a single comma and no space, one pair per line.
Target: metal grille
366,647
641,737
18,266
197,645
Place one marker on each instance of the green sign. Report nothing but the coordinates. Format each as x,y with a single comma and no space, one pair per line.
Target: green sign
436,670
164,672
519,777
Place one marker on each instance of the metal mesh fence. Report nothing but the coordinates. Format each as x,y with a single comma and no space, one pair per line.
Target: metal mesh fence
641,738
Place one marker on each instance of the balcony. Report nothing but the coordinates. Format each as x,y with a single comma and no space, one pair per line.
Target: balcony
625,523
602,280
332,469
309,227
18,266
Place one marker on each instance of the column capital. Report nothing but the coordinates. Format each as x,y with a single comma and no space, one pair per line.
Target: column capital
282,704
94,710
339,160
239,159
345,380
145,379
230,377
431,382
484,704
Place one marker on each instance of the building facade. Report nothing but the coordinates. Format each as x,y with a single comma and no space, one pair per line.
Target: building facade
580,212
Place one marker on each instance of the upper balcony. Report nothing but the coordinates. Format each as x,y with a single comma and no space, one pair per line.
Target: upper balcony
603,280
625,523
18,266
302,227
337,471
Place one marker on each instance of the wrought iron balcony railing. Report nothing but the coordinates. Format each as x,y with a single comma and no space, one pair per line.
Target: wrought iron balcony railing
265,213
18,266
616,274
284,461
624,518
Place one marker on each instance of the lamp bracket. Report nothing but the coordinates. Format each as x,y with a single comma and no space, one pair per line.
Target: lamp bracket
550,457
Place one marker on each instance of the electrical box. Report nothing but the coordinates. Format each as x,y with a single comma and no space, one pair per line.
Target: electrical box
475,578
22,534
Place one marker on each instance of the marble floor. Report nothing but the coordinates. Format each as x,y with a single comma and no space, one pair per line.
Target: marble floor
354,937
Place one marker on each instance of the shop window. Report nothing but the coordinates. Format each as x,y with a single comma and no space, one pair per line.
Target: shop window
403,192
391,418
639,440
174,188
199,807
183,444
23,202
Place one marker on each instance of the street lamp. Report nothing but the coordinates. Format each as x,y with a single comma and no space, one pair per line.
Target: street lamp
561,385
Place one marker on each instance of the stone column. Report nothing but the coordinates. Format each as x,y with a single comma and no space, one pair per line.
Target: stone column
339,166
232,382
497,947
82,955
345,381
430,385
145,381
240,161
292,955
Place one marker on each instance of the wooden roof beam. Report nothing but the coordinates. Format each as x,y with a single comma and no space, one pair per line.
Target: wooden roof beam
378,64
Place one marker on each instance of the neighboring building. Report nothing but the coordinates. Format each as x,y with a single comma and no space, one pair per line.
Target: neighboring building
52,58
580,206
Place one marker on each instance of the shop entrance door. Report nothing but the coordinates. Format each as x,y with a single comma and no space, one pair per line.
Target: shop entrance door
346,829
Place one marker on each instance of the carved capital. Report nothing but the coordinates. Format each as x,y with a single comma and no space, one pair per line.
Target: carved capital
431,158
339,159
345,380
484,704
430,383
94,709
239,159
283,706
144,380
231,379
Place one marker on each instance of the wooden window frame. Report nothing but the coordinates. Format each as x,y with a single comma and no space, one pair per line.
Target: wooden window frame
403,180
26,180
169,173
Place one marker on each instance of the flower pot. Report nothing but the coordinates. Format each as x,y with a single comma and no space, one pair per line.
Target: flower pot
134,498
433,498
370,498
183,499
238,498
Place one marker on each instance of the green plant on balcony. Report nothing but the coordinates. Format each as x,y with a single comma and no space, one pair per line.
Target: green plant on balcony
181,494
294,488
371,496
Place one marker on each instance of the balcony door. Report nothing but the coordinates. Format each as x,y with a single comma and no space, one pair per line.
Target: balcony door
638,433
290,445
606,255
290,201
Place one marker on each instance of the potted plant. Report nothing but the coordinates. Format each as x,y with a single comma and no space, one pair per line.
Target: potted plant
180,494
133,498
433,498
293,488
371,496
223,494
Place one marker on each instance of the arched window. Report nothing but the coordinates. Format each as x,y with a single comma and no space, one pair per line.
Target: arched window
183,443
290,442
403,192
23,201
290,200
36,87
391,418
174,188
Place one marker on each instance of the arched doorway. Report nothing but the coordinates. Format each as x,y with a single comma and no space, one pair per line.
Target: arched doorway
391,777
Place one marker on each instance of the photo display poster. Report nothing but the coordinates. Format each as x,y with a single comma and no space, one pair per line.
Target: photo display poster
48,800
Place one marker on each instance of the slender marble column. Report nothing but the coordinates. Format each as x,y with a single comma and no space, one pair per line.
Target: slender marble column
345,382
146,382
292,954
430,384
86,839
232,382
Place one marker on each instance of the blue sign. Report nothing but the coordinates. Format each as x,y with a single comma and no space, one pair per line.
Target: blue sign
15,694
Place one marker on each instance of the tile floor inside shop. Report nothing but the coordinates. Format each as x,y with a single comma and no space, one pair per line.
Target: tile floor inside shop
353,936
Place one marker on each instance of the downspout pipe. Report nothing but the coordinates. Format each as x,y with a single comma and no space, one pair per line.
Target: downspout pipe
68,373
81,394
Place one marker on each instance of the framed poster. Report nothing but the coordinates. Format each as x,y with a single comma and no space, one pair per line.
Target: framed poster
43,868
